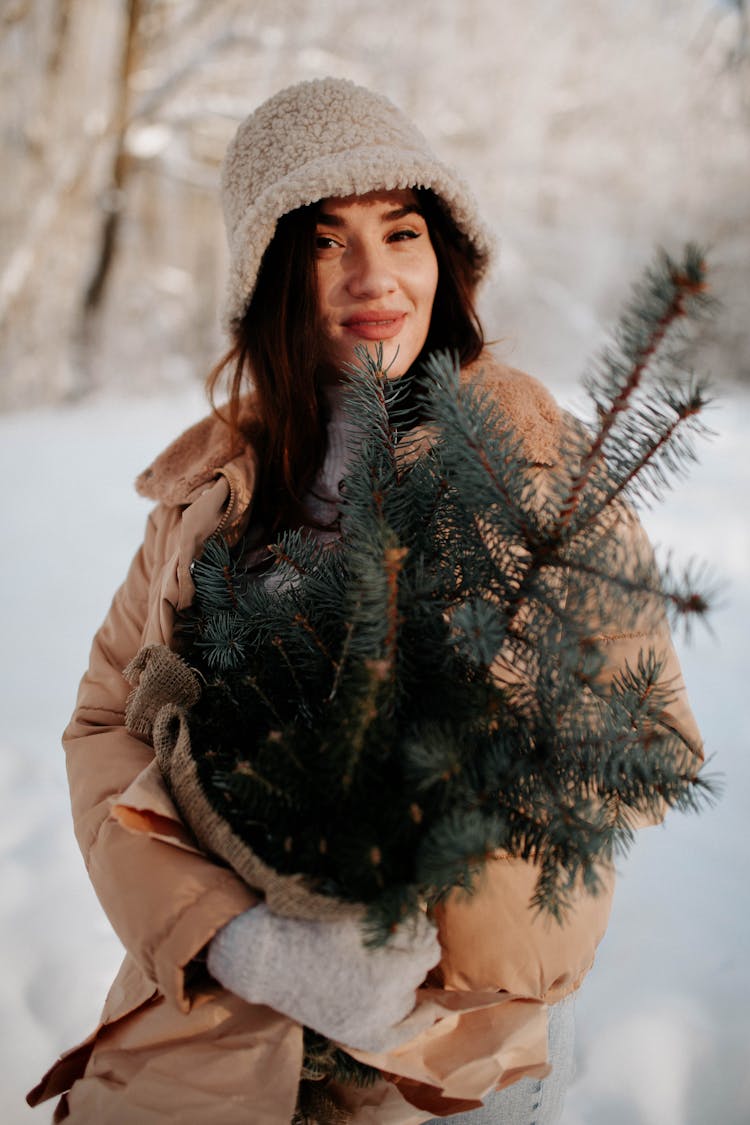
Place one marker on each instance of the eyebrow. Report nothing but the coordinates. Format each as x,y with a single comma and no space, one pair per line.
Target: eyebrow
389,217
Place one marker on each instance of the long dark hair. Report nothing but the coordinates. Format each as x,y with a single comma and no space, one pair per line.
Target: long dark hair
276,353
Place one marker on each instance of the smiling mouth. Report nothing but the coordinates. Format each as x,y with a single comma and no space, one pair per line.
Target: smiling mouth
377,326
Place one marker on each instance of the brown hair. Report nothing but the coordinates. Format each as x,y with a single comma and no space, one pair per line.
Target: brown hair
276,354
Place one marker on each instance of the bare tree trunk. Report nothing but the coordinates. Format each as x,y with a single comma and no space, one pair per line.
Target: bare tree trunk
58,65
113,202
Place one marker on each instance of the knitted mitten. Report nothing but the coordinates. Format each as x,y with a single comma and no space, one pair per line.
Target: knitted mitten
321,975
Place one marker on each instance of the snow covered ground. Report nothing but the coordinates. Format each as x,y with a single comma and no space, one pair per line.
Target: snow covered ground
663,1020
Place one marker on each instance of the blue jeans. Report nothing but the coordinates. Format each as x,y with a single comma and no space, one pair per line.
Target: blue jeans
532,1101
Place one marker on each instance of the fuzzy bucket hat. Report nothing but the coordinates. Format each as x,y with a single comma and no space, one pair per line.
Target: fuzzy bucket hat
318,139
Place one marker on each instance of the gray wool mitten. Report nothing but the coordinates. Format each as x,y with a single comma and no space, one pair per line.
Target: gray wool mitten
321,975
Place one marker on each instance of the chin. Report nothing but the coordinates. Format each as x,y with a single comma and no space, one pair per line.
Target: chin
395,361
397,358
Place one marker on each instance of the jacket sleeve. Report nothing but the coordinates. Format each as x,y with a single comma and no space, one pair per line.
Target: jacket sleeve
164,899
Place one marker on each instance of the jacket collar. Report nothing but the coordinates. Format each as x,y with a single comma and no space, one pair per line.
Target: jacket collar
193,461
527,404
207,450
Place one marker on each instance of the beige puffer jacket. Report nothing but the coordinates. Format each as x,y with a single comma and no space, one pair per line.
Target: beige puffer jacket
171,1044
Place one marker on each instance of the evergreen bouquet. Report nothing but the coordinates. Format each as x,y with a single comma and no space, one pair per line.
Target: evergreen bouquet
377,718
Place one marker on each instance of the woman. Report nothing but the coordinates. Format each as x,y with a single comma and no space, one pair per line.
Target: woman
344,229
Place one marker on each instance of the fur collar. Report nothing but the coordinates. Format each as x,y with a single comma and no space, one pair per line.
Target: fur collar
202,453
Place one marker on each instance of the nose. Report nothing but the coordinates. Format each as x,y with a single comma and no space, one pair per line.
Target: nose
369,273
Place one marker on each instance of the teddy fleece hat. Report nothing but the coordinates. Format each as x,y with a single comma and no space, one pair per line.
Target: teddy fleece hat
317,139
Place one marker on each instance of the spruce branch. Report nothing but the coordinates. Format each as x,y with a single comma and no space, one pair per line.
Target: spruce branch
278,644
670,291
648,460
341,664
384,717
301,619
364,716
252,682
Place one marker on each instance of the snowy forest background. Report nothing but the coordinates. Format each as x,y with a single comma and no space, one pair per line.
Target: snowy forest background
591,131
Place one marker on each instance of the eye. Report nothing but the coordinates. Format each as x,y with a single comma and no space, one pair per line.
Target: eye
325,242
403,235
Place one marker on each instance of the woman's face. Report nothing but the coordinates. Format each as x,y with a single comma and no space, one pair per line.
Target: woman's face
376,276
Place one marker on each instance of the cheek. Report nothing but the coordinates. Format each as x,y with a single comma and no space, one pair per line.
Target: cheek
427,288
327,289
429,278
321,290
